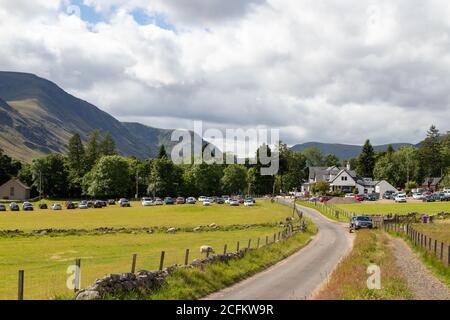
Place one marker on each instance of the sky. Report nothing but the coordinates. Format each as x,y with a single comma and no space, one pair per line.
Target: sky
330,71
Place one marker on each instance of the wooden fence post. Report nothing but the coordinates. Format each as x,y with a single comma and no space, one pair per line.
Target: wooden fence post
21,284
448,256
442,251
257,246
237,247
161,261
133,263
274,238
267,240
78,275
186,257
249,244
225,249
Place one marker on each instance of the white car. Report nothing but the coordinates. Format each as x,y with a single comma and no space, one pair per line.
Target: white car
400,198
234,203
56,206
202,198
83,205
350,195
418,196
147,202
248,203
207,202
191,200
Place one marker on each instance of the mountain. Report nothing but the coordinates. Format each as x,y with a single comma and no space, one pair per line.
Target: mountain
344,151
37,117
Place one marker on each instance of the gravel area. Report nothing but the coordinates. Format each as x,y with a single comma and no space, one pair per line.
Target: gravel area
423,284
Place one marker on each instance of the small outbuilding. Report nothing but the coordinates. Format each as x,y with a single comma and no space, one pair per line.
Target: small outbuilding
14,189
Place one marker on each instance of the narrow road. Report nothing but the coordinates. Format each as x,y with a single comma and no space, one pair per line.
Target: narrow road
300,275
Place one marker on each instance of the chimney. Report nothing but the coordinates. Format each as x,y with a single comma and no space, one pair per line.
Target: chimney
348,166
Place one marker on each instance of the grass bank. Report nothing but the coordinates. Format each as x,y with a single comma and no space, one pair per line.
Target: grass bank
349,281
191,284
326,211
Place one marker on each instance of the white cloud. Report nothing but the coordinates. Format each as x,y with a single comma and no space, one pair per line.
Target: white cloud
339,71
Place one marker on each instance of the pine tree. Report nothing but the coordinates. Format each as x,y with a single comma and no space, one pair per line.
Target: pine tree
108,145
162,152
92,149
430,154
76,155
366,161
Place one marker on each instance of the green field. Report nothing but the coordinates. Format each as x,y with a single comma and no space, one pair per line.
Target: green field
170,216
439,230
396,208
45,259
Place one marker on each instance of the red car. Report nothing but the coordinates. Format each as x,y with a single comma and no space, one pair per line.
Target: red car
324,199
181,200
359,197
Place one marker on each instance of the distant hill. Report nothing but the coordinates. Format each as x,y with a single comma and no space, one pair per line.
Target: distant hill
344,151
37,117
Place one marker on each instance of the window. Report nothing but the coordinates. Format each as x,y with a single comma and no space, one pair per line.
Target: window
343,178
11,192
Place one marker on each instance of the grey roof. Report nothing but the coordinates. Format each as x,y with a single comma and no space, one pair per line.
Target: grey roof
432,181
23,185
324,173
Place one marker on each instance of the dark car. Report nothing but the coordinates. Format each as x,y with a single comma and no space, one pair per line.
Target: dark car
27,206
43,206
70,205
169,200
90,204
372,197
361,222
2,207
389,195
124,203
98,204
104,203
111,202
14,206
220,201
250,199
428,199
181,200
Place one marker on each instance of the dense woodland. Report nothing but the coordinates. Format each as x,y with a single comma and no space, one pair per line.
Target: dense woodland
95,169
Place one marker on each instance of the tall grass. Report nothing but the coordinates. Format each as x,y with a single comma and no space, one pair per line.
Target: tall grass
349,281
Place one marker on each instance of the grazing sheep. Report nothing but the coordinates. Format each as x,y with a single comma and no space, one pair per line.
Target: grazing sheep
197,229
171,230
206,249
213,225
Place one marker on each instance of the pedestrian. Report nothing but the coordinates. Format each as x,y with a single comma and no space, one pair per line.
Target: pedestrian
431,219
424,219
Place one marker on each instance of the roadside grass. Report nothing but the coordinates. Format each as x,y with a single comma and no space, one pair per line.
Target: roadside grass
180,216
396,208
439,230
192,284
323,210
45,259
349,281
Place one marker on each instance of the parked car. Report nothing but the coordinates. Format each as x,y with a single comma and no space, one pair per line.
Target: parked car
27,206
400,198
359,197
418,196
124,203
324,199
2,207
147,202
169,201
251,199
98,204
111,202
389,195
207,202
428,199
70,205
191,200
202,198
234,203
90,204
220,201
372,197
14,206
440,196
360,222
225,198
83,205
180,200
158,202
57,206
249,203
43,206
350,195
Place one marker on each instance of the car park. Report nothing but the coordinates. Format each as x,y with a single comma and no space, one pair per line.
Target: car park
361,222
169,201
147,202
14,206
2,207
57,206
191,200
27,206
180,200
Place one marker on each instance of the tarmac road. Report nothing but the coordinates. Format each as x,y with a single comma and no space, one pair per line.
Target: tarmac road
300,275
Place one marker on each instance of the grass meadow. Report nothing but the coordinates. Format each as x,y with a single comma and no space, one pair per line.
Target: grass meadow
45,258
396,208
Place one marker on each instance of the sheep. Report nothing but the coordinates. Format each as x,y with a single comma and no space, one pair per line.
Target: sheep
213,225
206,249
171,230
197,229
